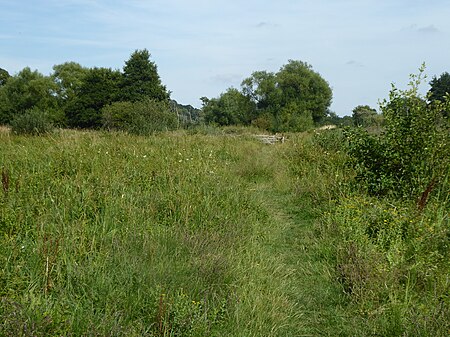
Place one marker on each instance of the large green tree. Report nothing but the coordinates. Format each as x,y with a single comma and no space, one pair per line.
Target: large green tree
440,87
305,89
69,77
100,87
261,87
231,108
364,115
140,79
27,90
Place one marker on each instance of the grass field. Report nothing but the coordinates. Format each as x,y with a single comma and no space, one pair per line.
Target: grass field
177,234
110,234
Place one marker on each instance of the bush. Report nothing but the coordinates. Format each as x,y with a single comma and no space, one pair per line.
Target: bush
390,251
412,154
32,122
330,140
141,118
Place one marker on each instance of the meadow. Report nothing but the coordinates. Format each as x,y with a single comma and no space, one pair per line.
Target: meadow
209,233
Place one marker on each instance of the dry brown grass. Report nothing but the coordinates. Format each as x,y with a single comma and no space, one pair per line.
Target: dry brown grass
5,129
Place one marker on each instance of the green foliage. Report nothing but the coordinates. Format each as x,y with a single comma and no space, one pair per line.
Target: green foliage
140,79
413,151
4,75
188,116
330,140
393,263
99,88
143,117
391,254
261,88
440,88
301,85
231,108
365,116
293,99
32,122
69,78
26,90
292,118
264,122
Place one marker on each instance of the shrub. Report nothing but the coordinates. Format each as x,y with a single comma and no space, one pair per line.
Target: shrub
141,118
32,122
330,140
390,252
412,154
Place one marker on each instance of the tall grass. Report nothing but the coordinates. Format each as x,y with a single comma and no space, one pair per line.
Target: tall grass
169,235
210,233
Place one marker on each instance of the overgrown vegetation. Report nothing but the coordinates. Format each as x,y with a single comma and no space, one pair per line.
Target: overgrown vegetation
390,232
412,153
32,122
141,118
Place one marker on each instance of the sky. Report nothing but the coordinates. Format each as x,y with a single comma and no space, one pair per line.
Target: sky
202,48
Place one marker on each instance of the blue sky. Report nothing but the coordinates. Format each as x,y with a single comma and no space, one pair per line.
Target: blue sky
203,47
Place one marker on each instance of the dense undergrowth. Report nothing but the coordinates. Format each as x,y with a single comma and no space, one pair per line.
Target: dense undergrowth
389,255
388,220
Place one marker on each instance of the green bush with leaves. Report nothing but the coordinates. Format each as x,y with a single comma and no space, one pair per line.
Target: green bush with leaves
33,122
411,156
142,118
391,244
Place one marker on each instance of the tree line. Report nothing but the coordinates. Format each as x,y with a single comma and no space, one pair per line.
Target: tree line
78,97
296,98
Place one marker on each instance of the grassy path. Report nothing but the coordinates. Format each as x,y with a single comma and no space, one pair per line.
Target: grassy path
301,285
